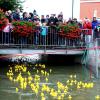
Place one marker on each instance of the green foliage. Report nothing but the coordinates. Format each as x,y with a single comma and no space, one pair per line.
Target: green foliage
3,20
10,4
66,28
24,23
2,15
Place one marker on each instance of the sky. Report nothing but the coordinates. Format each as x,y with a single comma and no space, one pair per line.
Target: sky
44,7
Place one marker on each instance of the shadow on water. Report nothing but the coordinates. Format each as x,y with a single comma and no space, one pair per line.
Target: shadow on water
63,60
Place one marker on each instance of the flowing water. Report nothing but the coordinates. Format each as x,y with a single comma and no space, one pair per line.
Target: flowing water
59,73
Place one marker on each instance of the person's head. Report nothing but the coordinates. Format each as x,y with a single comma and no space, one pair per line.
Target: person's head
86,19
35,16
47,16
9,12
30,15
75,19
42,16
18,10
34,12
6,13
94,18
25,15
52,15
69,19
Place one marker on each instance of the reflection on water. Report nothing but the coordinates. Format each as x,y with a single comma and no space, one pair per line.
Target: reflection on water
59,73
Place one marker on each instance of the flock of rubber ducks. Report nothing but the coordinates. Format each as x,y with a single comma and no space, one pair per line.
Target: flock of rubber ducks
19,74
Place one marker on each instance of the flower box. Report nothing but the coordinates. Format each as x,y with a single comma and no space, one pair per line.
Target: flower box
68,31
23,28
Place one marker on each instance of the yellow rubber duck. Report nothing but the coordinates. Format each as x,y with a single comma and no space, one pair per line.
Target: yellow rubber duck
97,97
74,76
10,78
42,72
92,85
43,66
71,76
59,98
69,97
28,73
17,89
37,71
43,98
42,94
78,87
50,70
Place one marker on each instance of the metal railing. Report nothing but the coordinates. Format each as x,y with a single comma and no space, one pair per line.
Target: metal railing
50,39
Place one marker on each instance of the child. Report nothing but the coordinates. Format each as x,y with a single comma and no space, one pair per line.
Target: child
7,33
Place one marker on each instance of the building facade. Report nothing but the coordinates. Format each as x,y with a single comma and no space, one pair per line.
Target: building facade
89,9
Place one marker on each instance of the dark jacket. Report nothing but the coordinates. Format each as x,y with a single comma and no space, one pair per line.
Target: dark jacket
53,21
16,16
94,24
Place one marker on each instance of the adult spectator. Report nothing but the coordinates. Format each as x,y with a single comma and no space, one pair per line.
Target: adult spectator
25,16
36,18
94,23
43,20
87,24
31,17
53,20
47,19
16,15
88,32
9,15
94,27
35,13
60,17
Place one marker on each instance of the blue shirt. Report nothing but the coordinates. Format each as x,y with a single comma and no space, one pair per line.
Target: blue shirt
43,30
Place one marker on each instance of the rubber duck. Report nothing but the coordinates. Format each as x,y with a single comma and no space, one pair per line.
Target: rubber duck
43,98
69,97
37,71
74,76
71,76
78,87
17,89
97,97
43,66
42,94
50,70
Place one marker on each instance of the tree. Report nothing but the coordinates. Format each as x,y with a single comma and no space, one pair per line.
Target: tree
10,4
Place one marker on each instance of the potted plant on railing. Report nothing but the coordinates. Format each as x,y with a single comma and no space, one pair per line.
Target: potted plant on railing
70,31
3,20
23,29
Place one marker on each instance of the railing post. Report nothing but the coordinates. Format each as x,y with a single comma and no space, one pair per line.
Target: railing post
96,58
21,49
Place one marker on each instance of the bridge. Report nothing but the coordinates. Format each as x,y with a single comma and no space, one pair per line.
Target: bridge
52,43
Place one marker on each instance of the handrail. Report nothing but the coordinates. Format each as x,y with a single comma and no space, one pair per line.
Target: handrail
51,39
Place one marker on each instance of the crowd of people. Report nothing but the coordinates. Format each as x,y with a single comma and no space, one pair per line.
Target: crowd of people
49,19
53,19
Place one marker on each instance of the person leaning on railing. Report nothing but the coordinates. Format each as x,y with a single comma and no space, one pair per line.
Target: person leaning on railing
87,26
7,33
95,24
43,32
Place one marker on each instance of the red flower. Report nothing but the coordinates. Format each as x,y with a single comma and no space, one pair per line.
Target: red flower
68,31
23,28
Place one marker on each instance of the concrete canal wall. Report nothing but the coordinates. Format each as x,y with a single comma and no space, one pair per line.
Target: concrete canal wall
92,58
